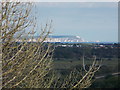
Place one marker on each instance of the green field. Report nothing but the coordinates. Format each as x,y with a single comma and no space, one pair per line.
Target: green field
65,66
69,63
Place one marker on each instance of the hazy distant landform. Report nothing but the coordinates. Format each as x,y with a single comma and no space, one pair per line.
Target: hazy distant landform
62,39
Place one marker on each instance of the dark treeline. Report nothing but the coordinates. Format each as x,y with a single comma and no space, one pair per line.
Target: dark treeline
76,52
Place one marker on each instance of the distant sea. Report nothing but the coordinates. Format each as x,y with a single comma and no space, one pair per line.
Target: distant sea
88,42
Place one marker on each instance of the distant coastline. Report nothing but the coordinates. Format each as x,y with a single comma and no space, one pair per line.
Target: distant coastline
88,42
65,39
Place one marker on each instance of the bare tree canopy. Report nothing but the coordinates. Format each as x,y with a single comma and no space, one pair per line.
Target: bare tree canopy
20,62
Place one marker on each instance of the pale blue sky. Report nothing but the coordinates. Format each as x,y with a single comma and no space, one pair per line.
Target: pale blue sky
91,21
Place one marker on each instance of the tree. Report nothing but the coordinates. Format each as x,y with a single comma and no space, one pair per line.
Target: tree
20,61
28,64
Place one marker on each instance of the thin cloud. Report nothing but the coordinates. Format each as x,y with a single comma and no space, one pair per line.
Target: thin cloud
76,4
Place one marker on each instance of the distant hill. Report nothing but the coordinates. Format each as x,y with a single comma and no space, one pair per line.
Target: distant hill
58,38
64,38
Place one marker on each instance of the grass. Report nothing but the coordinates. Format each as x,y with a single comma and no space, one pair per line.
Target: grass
64,66
68,63
108,82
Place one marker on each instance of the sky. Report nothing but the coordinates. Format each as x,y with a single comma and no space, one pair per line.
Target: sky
92,21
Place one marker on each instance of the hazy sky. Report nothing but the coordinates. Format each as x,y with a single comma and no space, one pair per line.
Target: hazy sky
91,21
